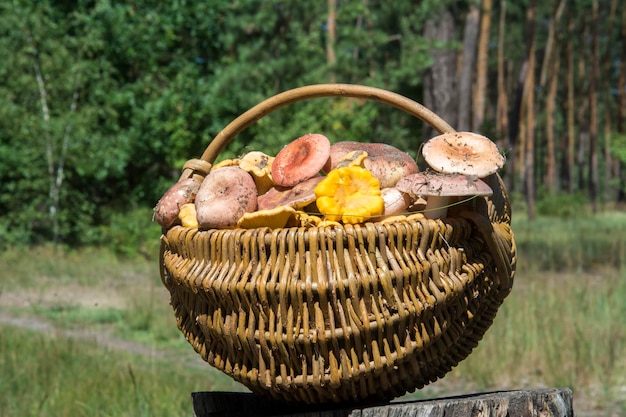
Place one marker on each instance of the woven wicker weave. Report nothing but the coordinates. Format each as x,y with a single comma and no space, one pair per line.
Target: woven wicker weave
343,313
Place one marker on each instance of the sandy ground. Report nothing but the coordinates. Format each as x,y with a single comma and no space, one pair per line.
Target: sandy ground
85,297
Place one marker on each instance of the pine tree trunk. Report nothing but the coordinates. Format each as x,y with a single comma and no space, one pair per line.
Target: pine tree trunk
529,101
440,78
609,162
549,74
331,22
571,114
466,77
593,107
620,166
551,177
502,107
480,91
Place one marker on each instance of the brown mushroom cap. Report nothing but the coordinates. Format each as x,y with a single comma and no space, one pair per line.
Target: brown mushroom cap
224,196
387,163
301,159
466,153
298,196
443,185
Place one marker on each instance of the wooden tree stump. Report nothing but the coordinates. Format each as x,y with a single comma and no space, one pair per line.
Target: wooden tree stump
548,402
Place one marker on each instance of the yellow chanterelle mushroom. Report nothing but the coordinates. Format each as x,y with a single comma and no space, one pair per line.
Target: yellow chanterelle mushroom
350,194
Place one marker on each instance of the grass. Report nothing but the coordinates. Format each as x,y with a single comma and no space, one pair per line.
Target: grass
559,331
562,326
44,374
580,243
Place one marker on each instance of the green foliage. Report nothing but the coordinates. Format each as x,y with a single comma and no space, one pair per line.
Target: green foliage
133,91
564,205
132,233
618,146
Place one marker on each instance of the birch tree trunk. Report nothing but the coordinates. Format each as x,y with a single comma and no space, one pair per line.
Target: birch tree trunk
55,158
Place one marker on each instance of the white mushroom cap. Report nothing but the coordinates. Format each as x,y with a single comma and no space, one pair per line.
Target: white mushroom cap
464,153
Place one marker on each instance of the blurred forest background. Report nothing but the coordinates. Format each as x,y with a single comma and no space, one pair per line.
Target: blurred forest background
102,102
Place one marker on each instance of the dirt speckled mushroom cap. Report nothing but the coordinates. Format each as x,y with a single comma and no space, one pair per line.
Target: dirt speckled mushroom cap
464,153
259,165
224,196
301,159
443,185
386,162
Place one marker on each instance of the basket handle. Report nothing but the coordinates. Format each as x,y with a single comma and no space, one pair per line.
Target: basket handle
271,104
319,90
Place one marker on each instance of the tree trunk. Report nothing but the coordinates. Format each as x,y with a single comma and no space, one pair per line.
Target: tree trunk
502,107
551,177
529,109
570,107
620,167
466,77
593,107
440,79
609,163
550,68
55,158
331,58
480,91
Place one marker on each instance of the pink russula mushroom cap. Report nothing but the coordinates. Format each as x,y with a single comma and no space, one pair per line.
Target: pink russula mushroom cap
440,188
464,153
224,196
300,160
387,163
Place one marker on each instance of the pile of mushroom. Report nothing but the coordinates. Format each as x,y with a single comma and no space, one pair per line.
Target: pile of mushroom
313,183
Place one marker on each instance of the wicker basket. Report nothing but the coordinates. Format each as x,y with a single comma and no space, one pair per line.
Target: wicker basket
340,314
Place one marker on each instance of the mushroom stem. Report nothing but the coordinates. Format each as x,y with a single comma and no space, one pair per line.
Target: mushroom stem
436,207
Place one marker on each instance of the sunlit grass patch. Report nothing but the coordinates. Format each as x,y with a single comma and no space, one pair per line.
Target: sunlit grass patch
571,244
559,331
48,374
